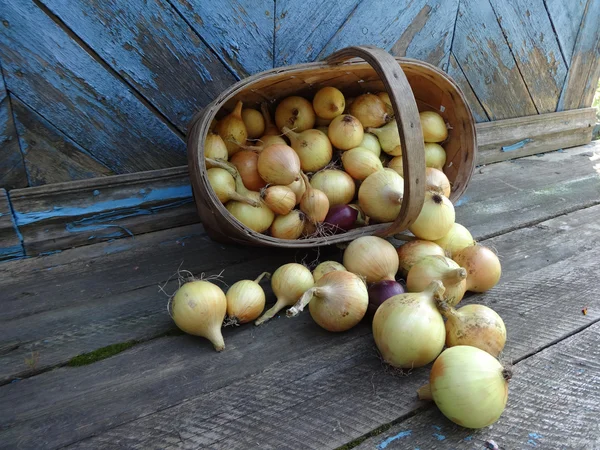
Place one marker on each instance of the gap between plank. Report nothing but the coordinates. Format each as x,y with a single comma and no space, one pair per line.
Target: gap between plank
562,52
452,42
320,55
14,221
471,86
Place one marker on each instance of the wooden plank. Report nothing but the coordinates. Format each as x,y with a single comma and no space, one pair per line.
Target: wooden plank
64,215
455,71
151,46
580,85
515,138
566,20
12,170
77,94
10,244
553,402
481,50
239,31
421,29
528,29
50,156
316,389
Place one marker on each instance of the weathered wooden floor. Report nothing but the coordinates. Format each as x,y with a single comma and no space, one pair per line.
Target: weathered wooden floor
290,384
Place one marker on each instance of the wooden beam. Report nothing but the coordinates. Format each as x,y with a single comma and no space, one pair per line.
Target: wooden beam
10,242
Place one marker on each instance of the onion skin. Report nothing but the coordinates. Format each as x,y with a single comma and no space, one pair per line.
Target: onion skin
371,143
371,257
313,148
296,113
289,226
246,163
474,325
469,386
482,265
278,164
314,203
435,219
389,137
359,163
257,218
214,148
380,195
280,199
245,300
370,110
437,181
432,268
254,121
380,292
455,240
338,186
412,252
433,126
397,165
232,130
435,155
341,218
298,188
345,132
223,184
326,267
329,103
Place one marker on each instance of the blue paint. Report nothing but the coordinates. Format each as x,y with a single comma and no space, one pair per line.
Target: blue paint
535,436
516,145
461,201
96,192
532,443
468,438
10,251
566,17
117,249
439,437
12,170
51,252
142,191
436,427
383,444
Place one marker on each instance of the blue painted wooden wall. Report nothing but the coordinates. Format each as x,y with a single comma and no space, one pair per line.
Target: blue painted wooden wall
98,87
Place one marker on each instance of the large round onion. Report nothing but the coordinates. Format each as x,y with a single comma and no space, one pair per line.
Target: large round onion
483,267
296,113
371,257
433,126
412,252
337,185
380,195
435,219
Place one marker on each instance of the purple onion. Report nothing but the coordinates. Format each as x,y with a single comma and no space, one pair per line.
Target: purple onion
341,217
379,292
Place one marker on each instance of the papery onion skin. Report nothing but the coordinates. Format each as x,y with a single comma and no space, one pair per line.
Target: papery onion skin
345,132
280,199
254,121
433,126
435,219
371,257
298,188
338,186
214,148
389,137
329,102
245,300
341,218
359,163
258,218
380,195
412,252
435,155
379,292
370,110
397,165
278,164
296,113
232,130
431,268
223,185
326,267
288,226
246,162
482,265
371,143
314,203
456,239
437,181
313,148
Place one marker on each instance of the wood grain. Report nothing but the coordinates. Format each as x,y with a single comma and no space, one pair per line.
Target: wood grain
75,93
566,19
152,47
580,85
485,57
49,155
455,71
12,170
10,243
239,31
515,138
528,30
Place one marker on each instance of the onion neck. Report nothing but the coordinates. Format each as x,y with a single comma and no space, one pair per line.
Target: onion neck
270,313
445,309
261,276
240,198
301,304
292,134
237,111
435,289
393,195
454,276
264,109
307,187
216,337
424,392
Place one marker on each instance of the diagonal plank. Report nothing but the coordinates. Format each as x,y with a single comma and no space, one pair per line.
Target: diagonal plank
457,74
566,19
12,169
553,403
284,374
10,242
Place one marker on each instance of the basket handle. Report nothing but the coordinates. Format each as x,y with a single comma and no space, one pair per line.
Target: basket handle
409,126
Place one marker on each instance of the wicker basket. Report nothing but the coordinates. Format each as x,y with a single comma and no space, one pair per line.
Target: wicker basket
412,85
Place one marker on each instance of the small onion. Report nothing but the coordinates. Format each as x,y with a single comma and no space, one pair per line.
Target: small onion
345,132
337,302
432,268
298,188
408,329
379,292
435,155
380,195
389,138
359,163
341,218
337,185
468,385
279,199
371,257
288,282
296,113
245,300
313,148
314,202
483,267
371,143
397,165
475,325
455,240
435,219
289,226
412,252
370,110
326,267
246,162
257,218
270,127
437,181
254,121
214,148
329,103
278,164
433,126
232,130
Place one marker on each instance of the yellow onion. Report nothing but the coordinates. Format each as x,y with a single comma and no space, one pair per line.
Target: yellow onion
258,218
314,203
326,267
474,325
288,282
270,127
264,142
313,148
359,163
329,103
432,268
246,162
396,165
214,148
323,129
389,138
412,252
408,329
380,195
433,126
384,96
296,113
435,219
337,302
254,121
435,155
436,180
337,185
279,199
278,164
245,300
298,188
483,267
455,240
468,385
199,307
232,130
223,183
345,132
289,226
371,257
371,143
370,110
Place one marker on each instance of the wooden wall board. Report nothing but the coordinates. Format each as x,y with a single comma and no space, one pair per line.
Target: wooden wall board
49,155
552,403
12,169
529,33
131,403
485,57
457,74
566,19
239,31
77,94
153,48
10,242
580,85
